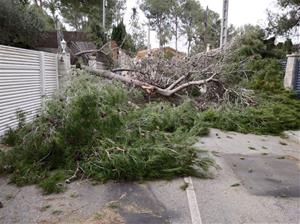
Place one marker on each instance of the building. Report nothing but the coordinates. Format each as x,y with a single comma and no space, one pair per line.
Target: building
168,52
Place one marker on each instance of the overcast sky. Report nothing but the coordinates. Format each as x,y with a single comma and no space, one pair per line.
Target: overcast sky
240,12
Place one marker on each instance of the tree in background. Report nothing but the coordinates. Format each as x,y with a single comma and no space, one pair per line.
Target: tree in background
73,13
192,17
23,2
288,20
80,14
96,32
86,15
38,3
257,43
207,31
137,33
122,38
119,33
175,18
287,47
21,24
158,13
52,7
119,9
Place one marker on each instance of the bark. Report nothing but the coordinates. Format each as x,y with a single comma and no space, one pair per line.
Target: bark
127,70
176,33
189,48
151,89
91,51
160,34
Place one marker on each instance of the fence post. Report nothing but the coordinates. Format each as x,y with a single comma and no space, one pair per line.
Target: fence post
57,79
42,78
64,69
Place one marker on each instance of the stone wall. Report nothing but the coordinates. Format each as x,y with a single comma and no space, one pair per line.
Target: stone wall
290,73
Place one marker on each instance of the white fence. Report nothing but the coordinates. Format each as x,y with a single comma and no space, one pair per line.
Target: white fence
27,77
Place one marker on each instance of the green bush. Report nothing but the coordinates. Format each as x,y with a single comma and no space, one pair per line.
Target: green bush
267,75
272,115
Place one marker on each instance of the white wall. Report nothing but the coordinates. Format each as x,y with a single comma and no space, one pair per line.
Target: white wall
27,78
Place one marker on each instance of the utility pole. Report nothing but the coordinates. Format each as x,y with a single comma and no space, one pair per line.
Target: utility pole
104,3
205,27
224,28
149,43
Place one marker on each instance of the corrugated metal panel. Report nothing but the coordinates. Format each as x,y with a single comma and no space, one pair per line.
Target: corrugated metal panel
25,77
51,78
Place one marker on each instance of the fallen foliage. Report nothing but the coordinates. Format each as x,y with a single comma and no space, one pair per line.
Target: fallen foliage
98,129
273,115
93,127
213,74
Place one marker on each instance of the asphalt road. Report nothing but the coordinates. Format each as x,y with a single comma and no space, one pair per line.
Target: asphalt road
258,182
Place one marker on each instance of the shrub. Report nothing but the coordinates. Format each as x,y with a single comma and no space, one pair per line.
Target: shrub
272,115
267,75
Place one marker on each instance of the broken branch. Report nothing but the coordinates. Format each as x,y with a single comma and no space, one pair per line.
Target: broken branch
127,70
91,51
150,89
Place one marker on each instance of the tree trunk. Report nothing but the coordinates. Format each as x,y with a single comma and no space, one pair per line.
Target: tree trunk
160,27
159,34
41,3
150,89
36,2
176,33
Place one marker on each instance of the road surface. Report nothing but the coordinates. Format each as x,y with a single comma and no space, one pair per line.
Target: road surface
258,182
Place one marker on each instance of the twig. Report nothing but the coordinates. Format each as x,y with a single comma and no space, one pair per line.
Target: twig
45,157
78,171
91,51
127,70
176,82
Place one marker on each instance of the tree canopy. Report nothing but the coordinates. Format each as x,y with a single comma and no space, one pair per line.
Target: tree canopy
122,38
21,24
183,18
137,33
287,20
158,12
79,14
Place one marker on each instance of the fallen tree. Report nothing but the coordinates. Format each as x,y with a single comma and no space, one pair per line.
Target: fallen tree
94,129
212,74
151,89
103,131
